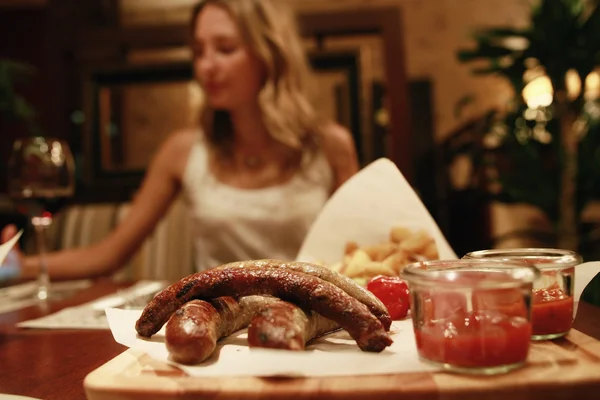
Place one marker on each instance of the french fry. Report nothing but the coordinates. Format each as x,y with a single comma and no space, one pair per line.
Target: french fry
396,261
355,266
431,252
345,262
386,258
350,247
399,233
416,243
380,252
371,269
337,267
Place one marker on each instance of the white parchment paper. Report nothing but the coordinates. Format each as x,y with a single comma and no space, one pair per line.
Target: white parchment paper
333,355
364,210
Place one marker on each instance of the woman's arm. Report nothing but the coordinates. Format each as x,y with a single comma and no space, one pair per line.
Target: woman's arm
340,151
158,190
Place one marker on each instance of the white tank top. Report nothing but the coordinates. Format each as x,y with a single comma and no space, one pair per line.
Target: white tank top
231,224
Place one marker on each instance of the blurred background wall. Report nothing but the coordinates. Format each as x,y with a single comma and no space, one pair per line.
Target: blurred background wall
106,68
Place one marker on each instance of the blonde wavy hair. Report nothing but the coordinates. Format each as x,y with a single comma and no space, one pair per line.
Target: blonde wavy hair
270,32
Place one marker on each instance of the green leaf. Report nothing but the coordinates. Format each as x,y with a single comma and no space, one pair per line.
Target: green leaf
484,51
590,31
12,105
462,103
12,72
17,67
486,71
498,35
576,7
22,108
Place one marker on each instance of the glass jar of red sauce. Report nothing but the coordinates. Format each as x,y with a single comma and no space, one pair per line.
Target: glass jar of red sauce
552,310
471,316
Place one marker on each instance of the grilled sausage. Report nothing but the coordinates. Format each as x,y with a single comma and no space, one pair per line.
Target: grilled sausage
283,325
339,280
307,291
192,332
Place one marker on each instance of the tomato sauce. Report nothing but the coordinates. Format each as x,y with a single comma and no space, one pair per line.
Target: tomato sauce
443,305
509,301
476,339
552,311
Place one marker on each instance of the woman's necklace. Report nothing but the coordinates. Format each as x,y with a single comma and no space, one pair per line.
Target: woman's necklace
252,162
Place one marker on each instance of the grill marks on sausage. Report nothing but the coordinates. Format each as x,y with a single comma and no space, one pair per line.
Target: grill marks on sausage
307,291
192,332
339,280
283,325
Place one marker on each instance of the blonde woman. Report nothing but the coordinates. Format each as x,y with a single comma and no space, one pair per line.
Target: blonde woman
260,167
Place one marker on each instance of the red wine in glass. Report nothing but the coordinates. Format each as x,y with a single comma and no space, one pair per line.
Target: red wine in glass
41,176
48,203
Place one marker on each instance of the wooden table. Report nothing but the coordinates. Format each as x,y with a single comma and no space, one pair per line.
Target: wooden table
52,364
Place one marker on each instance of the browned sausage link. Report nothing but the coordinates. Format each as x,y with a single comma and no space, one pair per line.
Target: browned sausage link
339,280
237,314
193,330
283,325
305,290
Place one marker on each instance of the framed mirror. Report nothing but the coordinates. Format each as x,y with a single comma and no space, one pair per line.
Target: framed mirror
337,76
132,109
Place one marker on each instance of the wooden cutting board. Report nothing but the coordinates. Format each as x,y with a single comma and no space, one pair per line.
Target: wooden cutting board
567,368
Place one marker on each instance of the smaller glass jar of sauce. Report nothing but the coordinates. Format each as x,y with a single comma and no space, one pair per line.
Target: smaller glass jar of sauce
552,310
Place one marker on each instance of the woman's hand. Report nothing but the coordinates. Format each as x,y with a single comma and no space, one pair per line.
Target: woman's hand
11,266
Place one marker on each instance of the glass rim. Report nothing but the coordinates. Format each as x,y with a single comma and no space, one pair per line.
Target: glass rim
554,258
21,142
443,272
37,137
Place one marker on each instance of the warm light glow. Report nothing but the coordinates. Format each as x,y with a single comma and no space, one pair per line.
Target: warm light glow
573,83
516,43
592,86
538,92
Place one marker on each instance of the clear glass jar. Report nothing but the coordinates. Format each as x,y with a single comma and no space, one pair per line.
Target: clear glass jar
472,316
552,310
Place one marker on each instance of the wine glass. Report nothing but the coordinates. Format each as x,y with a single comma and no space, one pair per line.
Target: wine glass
41,176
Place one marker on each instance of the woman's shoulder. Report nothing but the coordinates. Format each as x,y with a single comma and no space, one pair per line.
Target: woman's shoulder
340,151
175,150
337,142
182,139
180,143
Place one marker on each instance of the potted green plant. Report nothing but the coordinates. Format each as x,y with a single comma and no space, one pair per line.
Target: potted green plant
546,154
13,106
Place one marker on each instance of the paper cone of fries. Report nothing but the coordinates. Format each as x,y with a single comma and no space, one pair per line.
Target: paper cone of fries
374,225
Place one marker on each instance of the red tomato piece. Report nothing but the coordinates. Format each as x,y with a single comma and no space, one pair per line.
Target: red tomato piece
393,293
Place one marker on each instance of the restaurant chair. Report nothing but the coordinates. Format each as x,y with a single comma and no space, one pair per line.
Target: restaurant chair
167,254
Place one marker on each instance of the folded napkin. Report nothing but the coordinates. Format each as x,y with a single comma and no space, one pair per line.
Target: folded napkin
10,267
587,283
24,295
5,248
91,315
